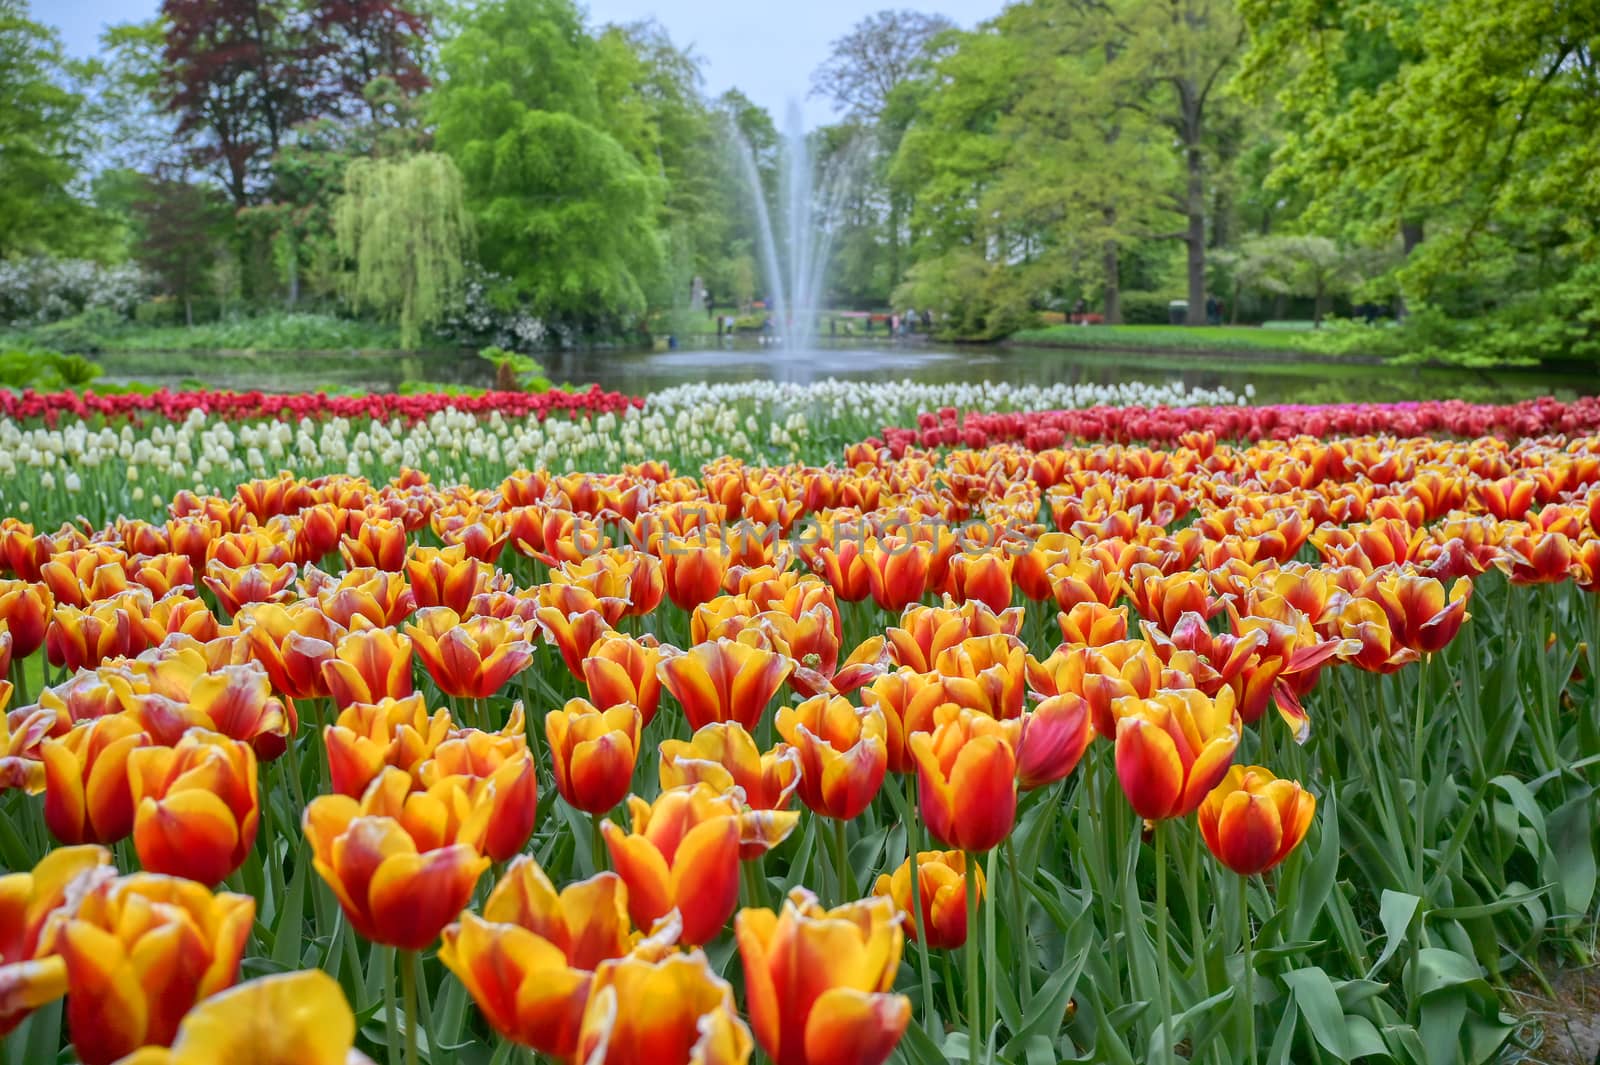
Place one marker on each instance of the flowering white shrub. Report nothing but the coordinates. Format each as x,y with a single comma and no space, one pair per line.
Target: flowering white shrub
487,315
38,290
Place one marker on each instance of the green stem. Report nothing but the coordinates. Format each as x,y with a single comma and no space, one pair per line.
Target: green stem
1197,935
1420,822
914,844
1249,976
974,946
408,991
391,1014
1163,957
991,966
597,842
1021,948
841,853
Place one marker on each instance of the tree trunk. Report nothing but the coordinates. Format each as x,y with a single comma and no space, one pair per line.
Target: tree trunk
1195,208
1320,307
188,310
1113,279
1410,236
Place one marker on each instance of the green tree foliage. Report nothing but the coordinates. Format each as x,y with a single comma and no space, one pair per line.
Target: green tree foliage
562,205
42,139
1462,133
403,225
1063,133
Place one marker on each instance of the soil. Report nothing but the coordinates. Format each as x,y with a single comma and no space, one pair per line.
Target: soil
1570,1021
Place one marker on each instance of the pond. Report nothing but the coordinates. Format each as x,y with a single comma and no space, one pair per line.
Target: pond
640,372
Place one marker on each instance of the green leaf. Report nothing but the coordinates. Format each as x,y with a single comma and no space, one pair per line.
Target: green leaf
1318,1003
1396,910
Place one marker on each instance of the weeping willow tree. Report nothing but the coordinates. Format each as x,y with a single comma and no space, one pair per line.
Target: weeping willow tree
403,226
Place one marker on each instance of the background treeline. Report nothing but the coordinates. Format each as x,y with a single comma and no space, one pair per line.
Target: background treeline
506,172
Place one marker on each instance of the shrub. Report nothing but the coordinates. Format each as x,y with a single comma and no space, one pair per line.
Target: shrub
492,313
39,290
1145,308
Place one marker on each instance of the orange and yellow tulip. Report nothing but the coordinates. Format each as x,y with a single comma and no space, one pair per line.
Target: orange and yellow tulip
986,673
692,569
897,571
1252,820
257,583
621,669
843,753
942,890
470,659
496,768
402,864
819,981
1173,748
573,634
298,1018
668,1011
446,576
29,977
1422,614
26,609
682,851
140,951
724,681
1054,736
378,543
967,778
87,796
291,643
908,700
724,756
196,806
529,961
366,737
593,752
367,666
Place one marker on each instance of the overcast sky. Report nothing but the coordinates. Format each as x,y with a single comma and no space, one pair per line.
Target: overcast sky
767,48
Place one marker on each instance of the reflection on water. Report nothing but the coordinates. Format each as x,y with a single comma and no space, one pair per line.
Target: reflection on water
639,372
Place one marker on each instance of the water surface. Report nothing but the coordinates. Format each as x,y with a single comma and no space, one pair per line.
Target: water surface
640,372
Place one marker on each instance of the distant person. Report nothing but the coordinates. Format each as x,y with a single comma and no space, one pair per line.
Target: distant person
719,327
909,321
927,320
894,325
1213,312
833,327
766,329
711,304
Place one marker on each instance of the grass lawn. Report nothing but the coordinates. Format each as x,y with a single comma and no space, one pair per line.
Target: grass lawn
1174,337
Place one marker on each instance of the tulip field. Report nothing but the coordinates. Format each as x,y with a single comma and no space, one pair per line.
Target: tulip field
809,725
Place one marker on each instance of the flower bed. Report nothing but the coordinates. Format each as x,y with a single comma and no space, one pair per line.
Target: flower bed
66,456
952,426
1076,753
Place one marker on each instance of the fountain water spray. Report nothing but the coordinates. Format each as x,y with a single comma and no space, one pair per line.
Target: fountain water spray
796,258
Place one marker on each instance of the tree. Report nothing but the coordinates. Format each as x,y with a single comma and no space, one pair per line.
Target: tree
863,78
370,39
181,228
561,206
1311,266
866,65
1466,123
240,74
42,139
403,226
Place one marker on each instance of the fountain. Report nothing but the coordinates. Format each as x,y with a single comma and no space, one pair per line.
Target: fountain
795,257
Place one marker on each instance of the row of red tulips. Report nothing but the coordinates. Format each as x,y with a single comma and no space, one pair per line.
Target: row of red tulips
171,698
161,404
1039,430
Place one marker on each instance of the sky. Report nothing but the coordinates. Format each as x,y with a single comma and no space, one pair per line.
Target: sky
761,47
